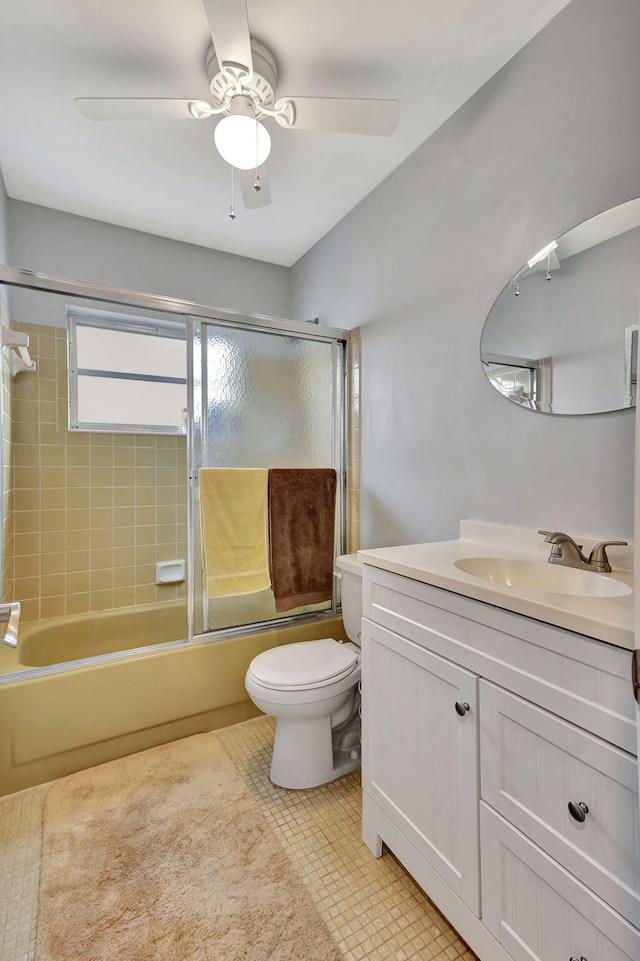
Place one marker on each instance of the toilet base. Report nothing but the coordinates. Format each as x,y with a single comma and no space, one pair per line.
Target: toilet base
307,753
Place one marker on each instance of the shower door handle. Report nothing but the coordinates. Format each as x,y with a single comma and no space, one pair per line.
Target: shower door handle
10,615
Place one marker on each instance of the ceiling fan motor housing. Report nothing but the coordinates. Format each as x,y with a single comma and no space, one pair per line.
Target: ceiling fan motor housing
260,86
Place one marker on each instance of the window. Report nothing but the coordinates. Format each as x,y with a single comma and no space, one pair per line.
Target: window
524,381
126,374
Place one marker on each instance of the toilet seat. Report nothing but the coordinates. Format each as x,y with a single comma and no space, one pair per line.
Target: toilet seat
303,665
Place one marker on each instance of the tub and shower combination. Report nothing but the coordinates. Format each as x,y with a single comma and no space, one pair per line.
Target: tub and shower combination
86,688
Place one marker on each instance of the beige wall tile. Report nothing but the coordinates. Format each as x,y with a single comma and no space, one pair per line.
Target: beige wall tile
27,565
78,497
52,563
102,558
101,539
102,457
124,557
102,580
26,521
52,584
78,540
124,597
124,577
88,512
53,499
101,600
102,496
26,587
53,606
146,594
78,583
78,603
78,456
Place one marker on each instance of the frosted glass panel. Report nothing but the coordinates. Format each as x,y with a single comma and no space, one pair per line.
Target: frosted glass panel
131,403
99,348
261,399
267,400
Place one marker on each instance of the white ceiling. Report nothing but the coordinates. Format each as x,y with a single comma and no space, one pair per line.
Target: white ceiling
167,177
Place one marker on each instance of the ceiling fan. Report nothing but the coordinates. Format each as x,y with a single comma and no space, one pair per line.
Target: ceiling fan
243,78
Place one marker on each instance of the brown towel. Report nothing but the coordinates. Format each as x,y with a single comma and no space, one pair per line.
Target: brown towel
302,518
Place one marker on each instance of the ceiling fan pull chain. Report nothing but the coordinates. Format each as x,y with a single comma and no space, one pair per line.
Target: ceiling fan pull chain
257,186
232,209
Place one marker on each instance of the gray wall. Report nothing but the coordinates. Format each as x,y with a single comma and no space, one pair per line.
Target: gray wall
65,245
3,222
551,140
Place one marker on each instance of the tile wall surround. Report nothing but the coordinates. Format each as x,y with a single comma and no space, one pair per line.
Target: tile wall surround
93,512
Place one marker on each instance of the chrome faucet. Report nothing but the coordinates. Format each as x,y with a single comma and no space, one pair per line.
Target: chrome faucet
10,615
564,550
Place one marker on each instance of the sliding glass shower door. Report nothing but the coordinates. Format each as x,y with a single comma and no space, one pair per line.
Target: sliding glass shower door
263,397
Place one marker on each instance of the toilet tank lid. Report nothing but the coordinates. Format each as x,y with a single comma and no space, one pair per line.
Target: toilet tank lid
350,564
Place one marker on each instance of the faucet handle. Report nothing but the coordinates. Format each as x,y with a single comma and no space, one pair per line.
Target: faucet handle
558,534
598,556
10,615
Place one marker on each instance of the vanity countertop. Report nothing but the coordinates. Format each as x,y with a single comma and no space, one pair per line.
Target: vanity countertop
609,619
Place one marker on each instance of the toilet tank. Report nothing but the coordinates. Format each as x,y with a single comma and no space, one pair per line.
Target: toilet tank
351,590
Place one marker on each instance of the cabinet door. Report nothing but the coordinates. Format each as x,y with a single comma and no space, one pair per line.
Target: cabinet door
420,757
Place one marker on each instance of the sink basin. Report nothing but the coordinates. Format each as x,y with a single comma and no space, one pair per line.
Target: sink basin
543,577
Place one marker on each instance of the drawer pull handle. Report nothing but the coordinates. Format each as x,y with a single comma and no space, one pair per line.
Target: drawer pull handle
462,707
577,959
578,811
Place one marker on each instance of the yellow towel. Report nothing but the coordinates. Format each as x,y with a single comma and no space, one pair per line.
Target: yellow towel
233,508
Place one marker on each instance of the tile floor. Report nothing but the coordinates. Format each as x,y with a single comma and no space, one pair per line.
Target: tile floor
371,906
20,822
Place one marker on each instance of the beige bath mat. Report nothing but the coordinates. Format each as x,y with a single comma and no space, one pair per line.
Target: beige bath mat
164,856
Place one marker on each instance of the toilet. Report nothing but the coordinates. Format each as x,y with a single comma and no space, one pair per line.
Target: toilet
312,689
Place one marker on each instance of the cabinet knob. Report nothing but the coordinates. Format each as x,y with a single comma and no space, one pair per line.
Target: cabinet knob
462,707
578,811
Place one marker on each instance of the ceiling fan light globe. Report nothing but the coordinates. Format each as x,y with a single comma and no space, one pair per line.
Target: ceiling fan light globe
237,143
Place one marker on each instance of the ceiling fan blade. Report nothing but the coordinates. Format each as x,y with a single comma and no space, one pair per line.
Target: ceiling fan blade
343,115
251,197
229,26
132,108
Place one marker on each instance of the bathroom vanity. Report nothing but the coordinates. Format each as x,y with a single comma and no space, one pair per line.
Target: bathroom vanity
499,747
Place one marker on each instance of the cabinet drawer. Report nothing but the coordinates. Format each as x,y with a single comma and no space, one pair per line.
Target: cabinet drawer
577,677
540,912
533,764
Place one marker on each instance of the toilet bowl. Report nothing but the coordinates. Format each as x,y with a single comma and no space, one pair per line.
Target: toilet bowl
311,688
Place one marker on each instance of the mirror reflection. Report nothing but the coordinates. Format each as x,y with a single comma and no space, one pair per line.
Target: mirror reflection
561,337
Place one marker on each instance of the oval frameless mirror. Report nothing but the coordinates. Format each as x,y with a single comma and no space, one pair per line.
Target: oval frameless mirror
562,335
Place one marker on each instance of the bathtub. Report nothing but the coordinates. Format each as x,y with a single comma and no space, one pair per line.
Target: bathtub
60,639
57,716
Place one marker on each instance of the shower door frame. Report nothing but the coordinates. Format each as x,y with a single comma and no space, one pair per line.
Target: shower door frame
191,312
339,341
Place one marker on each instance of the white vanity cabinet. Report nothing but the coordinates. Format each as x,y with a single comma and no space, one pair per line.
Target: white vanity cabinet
480,726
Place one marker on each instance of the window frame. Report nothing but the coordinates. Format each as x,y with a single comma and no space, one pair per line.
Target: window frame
125,323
